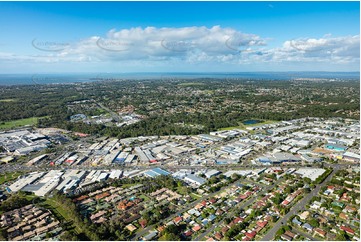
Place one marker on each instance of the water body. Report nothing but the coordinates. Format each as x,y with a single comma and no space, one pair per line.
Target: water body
251,121
38,79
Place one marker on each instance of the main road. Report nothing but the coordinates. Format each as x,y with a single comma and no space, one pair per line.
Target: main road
22,167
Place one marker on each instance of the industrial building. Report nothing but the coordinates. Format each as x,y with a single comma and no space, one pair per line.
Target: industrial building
212,173
335,147
23,142
312,173
141,156
156,172
278,158
190,178
24,181
350,156
115,174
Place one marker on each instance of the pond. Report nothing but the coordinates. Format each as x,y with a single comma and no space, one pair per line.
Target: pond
251,121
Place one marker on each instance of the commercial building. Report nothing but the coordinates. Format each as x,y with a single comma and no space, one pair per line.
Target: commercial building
194,179
312,173
115,174
156,172
24,181
208,137
350,156
335,147
212,173
48,187
278,157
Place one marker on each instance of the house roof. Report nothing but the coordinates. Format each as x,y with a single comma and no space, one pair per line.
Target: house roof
285,202
289,233
296,221
286,237
251,235
320,231
177,219
237,220
262,224
131,227
343,216
347,229
161,228
196,228
224,229
307,226
188,233
218,236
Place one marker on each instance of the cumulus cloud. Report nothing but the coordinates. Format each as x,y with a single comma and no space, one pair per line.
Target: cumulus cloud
191,45
340,46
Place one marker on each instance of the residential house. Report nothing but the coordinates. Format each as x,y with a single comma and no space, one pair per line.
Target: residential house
304,215
347,230
251,235
290,234
320,232
307,226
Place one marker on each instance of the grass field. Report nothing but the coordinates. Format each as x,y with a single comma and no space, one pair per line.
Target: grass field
190,84
243,126
19,123
61,212
129,185
9,176
8,100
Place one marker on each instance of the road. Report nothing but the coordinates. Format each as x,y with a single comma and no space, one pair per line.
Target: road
17,167
294,209
189,206
115,116
242,206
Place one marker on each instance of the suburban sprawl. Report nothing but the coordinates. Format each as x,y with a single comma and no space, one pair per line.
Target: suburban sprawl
109,167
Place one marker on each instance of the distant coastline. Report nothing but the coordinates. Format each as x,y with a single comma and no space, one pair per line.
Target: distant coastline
67,78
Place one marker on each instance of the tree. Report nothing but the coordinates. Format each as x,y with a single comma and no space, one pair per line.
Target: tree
3,234
342,236
307,180
314,223
170,237
280,231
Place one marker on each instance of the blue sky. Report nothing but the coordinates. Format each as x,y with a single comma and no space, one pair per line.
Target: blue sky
45,37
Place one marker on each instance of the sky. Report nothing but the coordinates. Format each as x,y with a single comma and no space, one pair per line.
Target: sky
79,37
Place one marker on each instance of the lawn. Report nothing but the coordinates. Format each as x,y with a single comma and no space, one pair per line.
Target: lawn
144,197
9,176
195,196
19,123
182,190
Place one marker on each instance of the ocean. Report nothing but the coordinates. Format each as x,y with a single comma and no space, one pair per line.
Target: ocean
37,79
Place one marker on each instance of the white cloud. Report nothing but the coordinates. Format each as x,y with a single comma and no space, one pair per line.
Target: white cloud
191,45
340,46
